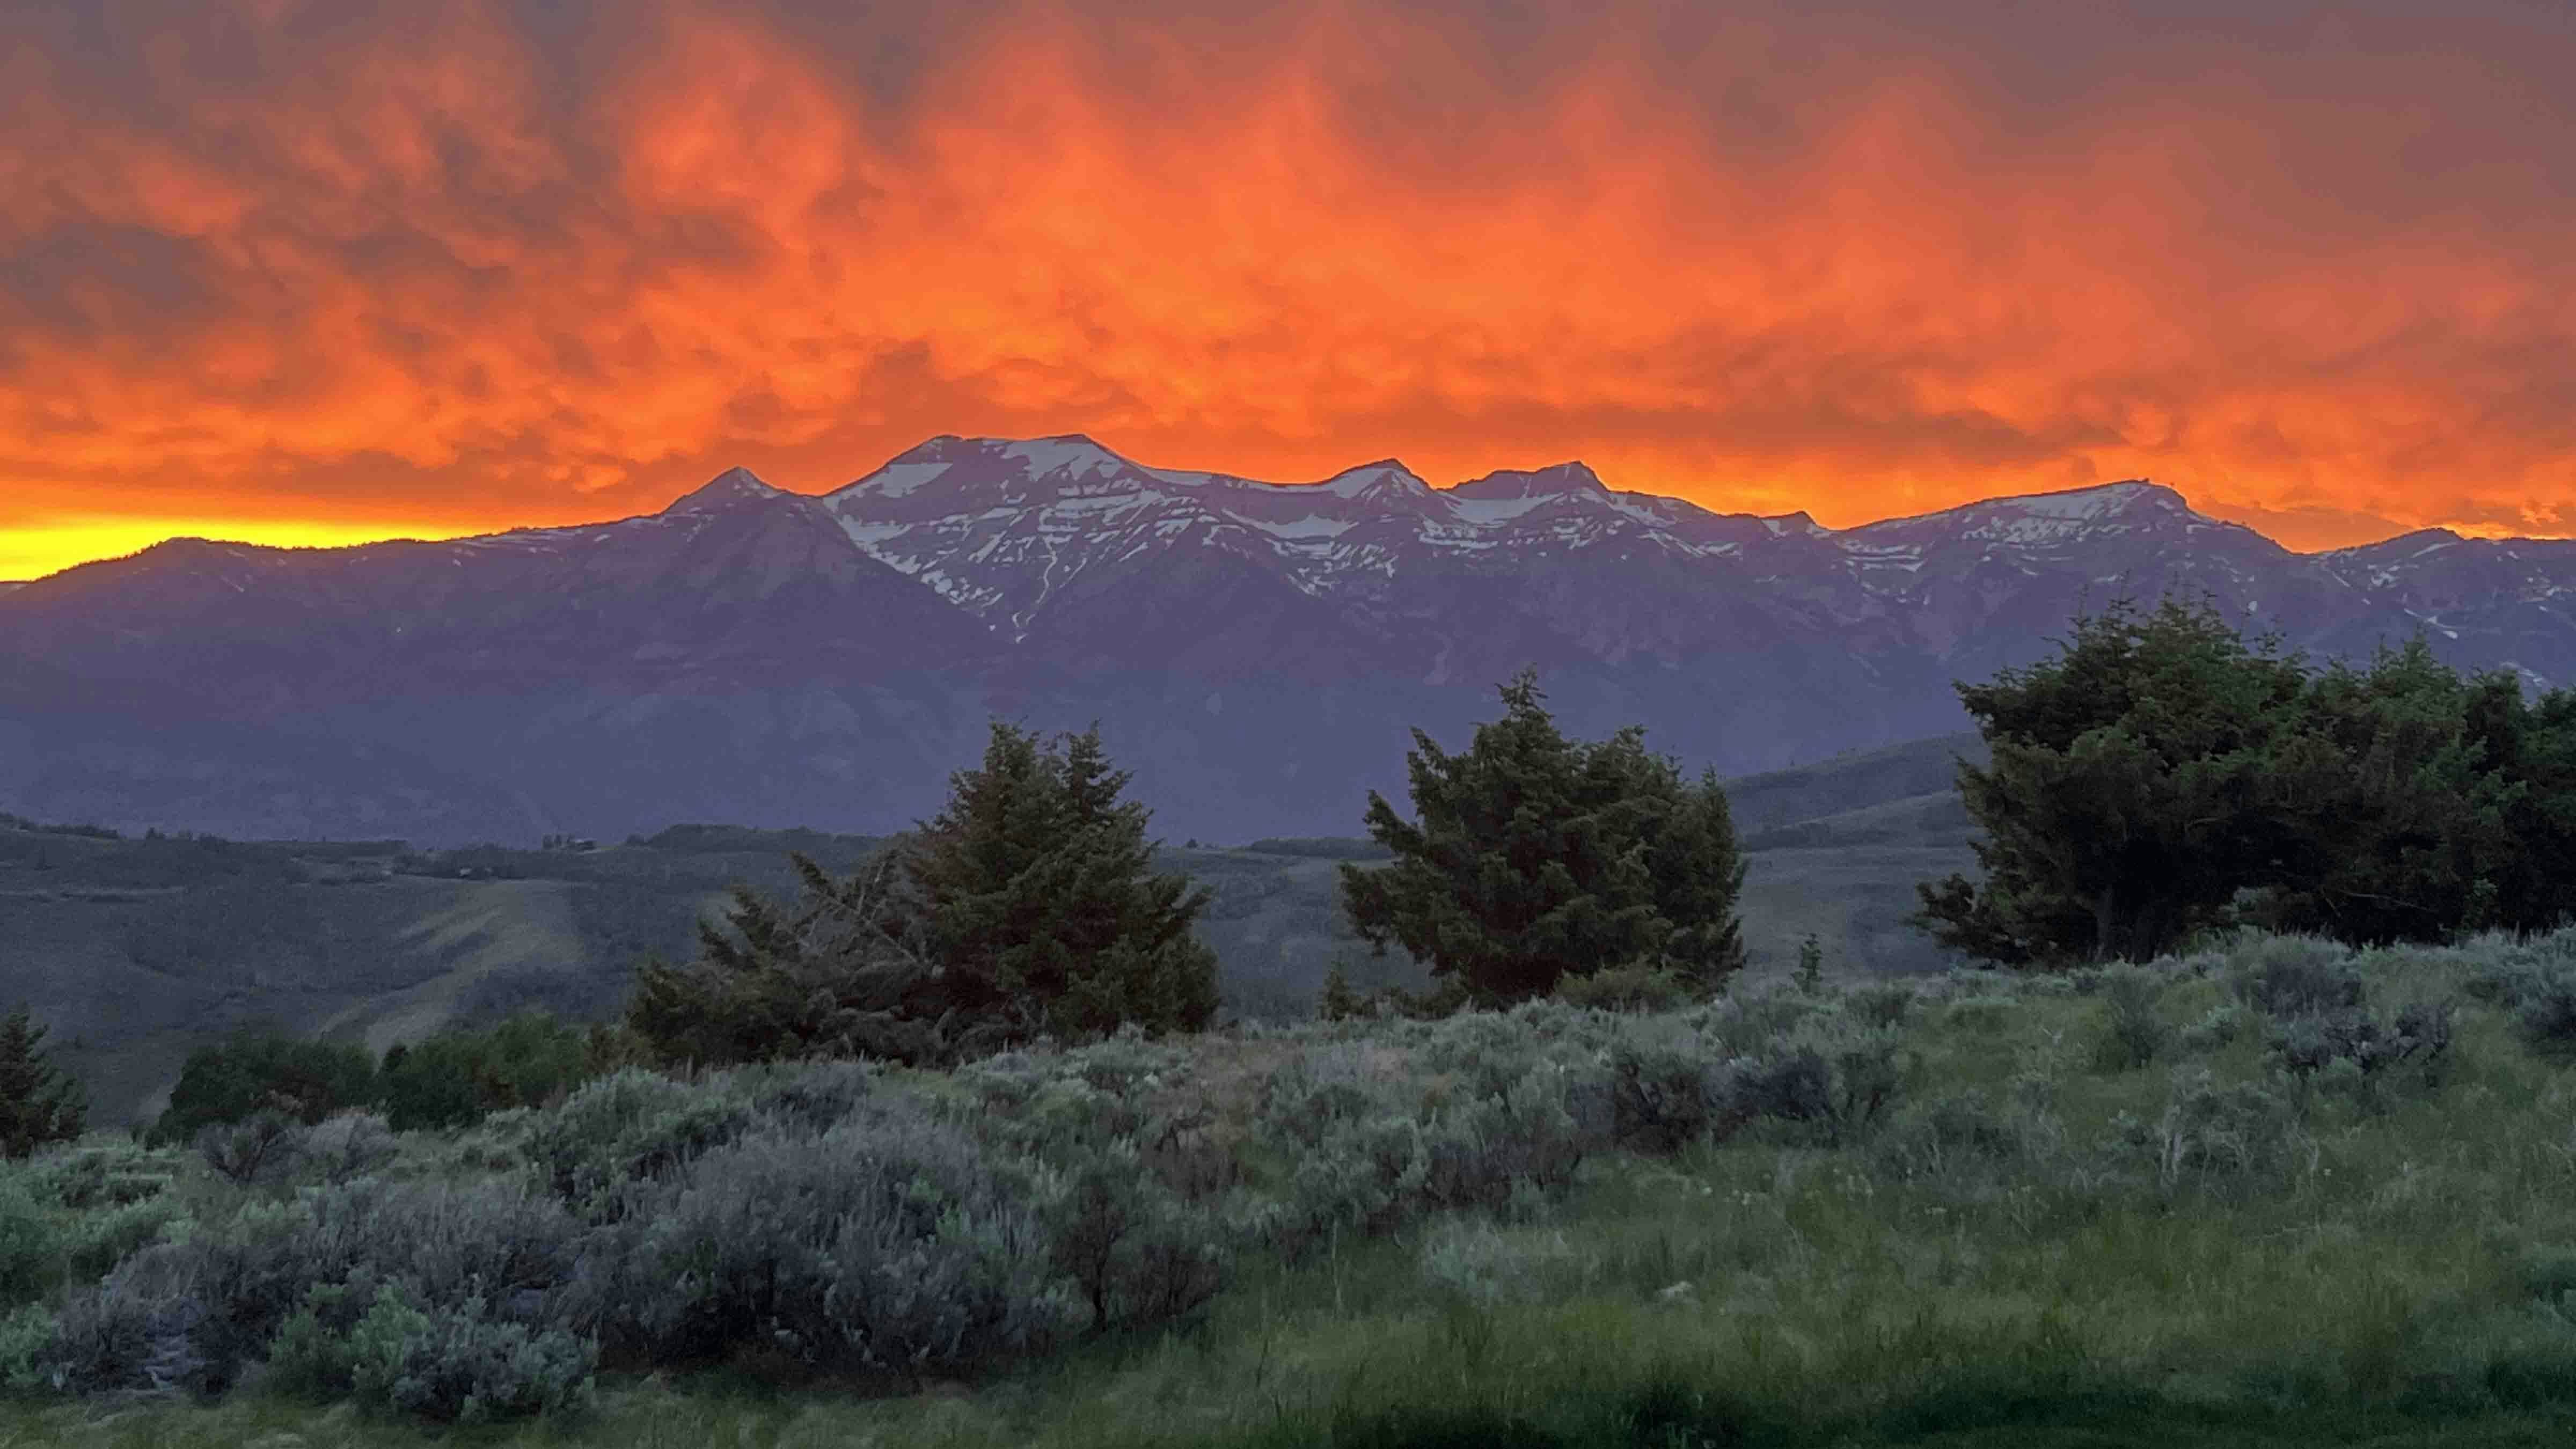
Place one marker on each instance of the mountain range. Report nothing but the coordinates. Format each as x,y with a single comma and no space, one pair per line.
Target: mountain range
1255,652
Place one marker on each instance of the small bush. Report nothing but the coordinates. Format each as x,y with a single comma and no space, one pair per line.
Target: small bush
205,1308
2133,1034
2545,1012
2224,1024
1833,1087
101,1238
1885,1005
26,1341
349,1145
135,1331
2536,984
1982,1012
1628,988
2293,976
1666,1094
454,1365
31,1243
2358,1048
814,1097
1934,1140
625,1128
2209,1133
1475,1261
882,1244
1136,1253
260,1149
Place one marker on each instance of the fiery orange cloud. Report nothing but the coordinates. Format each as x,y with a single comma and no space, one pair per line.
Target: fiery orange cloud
302,274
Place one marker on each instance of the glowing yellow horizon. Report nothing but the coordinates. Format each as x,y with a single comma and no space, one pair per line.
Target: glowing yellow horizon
48,546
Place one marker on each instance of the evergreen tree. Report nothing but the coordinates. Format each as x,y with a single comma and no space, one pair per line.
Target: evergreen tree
843,972
1536,857
2121,805
2426,803
1028,906
39,1103
1038,885
2160,776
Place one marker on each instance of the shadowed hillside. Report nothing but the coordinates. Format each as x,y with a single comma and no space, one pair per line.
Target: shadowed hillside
139,949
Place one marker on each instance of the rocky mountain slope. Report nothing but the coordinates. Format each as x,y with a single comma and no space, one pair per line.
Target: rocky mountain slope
1255,651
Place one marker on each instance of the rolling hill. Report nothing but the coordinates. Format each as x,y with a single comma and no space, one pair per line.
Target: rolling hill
137,950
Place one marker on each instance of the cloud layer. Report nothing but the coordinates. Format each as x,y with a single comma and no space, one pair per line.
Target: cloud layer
307,272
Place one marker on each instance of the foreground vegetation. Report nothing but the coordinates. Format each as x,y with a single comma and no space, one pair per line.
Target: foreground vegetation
2274,1191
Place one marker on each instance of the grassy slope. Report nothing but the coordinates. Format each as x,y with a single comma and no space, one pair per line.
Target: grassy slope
138,950
2389,1272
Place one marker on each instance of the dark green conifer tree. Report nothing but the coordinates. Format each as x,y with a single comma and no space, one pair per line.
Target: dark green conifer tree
2161,776
2116,809
1535,857
1038,885
39,1103
845,971
1027,906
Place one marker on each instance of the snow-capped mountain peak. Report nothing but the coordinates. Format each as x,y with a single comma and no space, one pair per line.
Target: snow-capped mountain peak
727,489
1386,474
2049,519
1555,480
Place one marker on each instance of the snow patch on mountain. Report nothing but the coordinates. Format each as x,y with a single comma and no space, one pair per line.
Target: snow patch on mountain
1492,510
1313,525
895,480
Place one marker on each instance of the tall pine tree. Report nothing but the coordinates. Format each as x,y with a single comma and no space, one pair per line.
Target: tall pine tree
1536,857
39,1103
1037,881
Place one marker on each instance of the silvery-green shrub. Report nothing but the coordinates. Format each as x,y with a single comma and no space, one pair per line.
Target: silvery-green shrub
257,1150
1941,1137
2359,1050
627,1127
2209,1132
883,1243
349,1145
216,1301
2292,976
445,1364
1825,1082
2223,1024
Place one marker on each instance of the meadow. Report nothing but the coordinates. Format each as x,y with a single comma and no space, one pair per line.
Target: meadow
2274,1191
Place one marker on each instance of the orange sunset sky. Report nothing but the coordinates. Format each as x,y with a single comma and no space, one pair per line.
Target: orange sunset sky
313,273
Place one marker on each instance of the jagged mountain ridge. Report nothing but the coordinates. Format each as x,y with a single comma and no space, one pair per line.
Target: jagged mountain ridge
1255,650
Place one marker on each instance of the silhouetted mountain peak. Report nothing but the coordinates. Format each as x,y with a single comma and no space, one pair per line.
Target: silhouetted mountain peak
2406,545
1552,481
1375,478
728,489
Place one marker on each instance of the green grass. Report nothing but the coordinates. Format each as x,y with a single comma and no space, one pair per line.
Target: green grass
2396,1269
